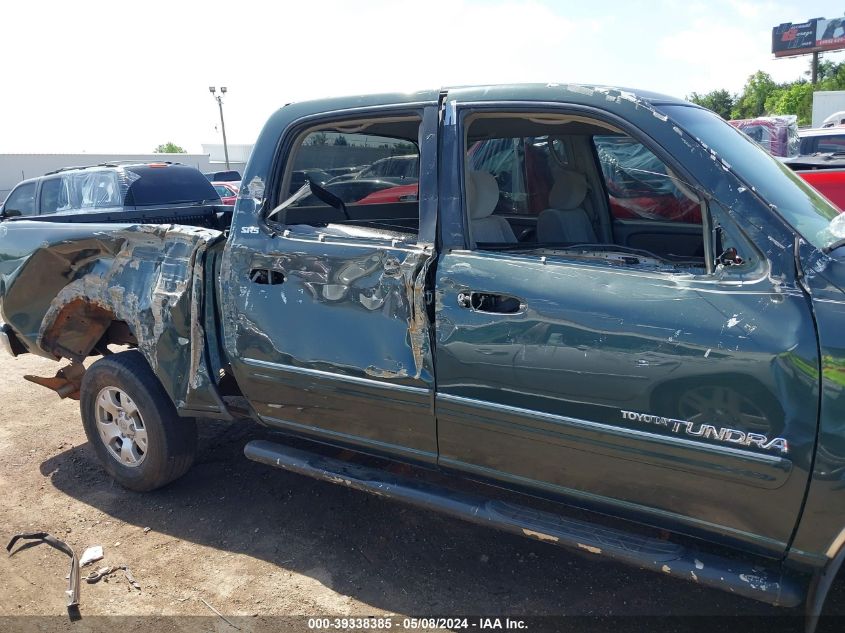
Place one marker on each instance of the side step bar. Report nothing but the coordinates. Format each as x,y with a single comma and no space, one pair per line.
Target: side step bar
736,576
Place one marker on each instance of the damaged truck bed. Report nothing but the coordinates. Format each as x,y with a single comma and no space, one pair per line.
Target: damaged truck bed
607,300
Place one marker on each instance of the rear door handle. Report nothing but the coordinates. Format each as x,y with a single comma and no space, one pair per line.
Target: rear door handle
491,302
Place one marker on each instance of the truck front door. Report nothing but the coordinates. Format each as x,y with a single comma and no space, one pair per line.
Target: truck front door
655,364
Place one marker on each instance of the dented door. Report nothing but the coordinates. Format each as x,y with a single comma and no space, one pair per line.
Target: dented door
328,337
685,400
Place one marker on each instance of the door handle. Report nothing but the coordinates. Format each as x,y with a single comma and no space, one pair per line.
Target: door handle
266,276
491,302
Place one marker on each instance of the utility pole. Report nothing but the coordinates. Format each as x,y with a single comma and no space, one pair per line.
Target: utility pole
219,99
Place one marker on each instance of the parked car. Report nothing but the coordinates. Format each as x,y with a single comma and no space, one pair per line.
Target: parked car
776,134
118,192
663,389
825,172
223,176
400,193
407,166
822,141
300,176
834,120
228,191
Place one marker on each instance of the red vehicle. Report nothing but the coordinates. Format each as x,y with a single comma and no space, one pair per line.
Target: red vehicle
778,135
825,172
228,191
401,193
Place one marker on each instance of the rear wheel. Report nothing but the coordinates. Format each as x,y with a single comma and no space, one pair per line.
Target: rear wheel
132,424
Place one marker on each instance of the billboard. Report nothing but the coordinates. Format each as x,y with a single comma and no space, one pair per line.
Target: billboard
812,36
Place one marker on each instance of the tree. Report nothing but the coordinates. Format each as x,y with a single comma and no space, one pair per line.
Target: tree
340,140
169,148
796,99
719,101
752,102
320,138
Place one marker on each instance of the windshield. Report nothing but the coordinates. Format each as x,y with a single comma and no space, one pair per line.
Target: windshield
797,202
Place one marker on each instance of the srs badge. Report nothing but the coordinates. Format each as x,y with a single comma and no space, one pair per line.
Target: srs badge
707,431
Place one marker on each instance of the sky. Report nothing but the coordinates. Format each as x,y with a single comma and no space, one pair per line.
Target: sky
110,77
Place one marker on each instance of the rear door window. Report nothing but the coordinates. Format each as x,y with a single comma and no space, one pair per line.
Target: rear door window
371,176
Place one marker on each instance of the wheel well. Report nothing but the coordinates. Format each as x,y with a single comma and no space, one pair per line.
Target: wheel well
83,328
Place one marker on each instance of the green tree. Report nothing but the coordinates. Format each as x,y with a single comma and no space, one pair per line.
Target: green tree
719,101
796,98
320,138
831,76
752,102
340,140
169,148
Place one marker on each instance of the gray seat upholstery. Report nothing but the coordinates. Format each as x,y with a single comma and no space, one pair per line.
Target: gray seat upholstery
566,222
482,198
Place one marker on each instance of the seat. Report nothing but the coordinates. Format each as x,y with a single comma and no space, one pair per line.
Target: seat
482,198
566,221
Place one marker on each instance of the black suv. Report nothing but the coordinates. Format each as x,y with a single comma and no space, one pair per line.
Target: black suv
113,192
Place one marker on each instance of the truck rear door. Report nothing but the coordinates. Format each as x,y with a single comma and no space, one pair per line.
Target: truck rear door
327,329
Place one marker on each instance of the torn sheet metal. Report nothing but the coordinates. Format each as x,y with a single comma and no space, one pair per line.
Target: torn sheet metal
44,537
65,293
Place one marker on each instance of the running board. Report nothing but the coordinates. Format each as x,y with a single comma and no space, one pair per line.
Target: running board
741,578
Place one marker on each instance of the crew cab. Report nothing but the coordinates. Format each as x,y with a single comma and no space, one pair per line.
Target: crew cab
159,192
611,306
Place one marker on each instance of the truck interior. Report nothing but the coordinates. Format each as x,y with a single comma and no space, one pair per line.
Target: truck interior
552,183
350,150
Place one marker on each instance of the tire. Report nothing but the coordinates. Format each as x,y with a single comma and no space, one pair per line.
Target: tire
132,424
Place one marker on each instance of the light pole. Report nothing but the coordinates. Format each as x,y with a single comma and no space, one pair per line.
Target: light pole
219,99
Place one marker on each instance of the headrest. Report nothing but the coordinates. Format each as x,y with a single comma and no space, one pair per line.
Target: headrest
569,190
482,194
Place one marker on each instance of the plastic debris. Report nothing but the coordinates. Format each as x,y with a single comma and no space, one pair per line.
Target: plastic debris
93,553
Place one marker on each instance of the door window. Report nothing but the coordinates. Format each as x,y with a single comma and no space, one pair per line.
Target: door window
361,173
577,187
22,199
640,186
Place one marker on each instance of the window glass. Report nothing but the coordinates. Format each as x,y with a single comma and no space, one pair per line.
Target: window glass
51,195
833,143
523,168
373,170
580,187
97,189
172,184
639,185
22,199
802,206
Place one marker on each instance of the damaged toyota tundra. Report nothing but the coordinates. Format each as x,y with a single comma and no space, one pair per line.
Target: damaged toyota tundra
598,318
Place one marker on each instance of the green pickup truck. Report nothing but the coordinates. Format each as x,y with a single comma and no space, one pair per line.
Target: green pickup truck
609,303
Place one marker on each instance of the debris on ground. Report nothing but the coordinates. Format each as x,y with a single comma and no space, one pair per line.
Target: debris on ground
102,572
93,553
73,578
223,617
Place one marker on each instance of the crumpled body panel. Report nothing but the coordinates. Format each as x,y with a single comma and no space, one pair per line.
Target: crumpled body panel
63,286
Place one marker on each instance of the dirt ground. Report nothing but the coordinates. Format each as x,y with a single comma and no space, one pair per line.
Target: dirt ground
253,541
